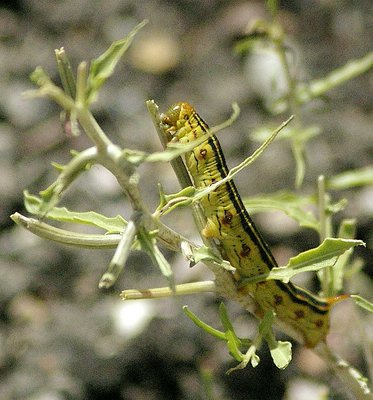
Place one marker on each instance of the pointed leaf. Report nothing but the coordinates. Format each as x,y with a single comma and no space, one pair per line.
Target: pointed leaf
63,236
207,328
103,66
293,205
233,342
148,243
315,259
363,303
204,253
352,178
109,224
347,230
265,326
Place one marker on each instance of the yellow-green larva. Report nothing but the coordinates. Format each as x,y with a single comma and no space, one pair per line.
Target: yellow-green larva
240,242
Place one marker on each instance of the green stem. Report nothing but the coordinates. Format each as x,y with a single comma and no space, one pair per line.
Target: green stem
65,71
179,290
181,173
46,231
349,376
70,172
319,87
121,254
327,274
81,85
92,128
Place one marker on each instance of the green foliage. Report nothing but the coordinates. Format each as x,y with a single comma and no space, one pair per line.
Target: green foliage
244,350
145,230
103,67
109,224
363,303
350,179
294,205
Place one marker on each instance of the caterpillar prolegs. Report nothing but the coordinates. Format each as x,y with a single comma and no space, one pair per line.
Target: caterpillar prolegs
241,243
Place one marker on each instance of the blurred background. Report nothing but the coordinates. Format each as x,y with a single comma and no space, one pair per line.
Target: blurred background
63,338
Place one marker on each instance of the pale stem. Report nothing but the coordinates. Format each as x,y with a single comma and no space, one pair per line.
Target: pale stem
120,256
318,87
45,231
349,376
179,290
65,71
325,231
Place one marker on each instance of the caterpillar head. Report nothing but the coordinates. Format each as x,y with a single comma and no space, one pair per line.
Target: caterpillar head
176,120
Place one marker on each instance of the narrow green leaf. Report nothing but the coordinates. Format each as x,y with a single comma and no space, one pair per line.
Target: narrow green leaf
246,44
329,248
334,208
265,326
319,87
235,114
207,328
293,205
65,71
249,356
103,66
262,133
298,138
347,230
45,231
363,303
148,243
233,342
352,178
109,224
315,259
204,253
298,148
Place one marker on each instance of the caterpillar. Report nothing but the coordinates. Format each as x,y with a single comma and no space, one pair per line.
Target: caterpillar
239,240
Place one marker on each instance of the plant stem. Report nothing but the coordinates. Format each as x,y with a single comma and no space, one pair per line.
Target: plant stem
327,275
121,254
349,376
46,231
179,290
65,72
319,87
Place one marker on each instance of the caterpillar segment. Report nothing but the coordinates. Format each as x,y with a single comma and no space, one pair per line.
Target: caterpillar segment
240,242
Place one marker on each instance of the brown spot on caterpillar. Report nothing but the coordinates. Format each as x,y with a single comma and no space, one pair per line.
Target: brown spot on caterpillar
245,250
227,219
278,299
319,323
203,154
299,314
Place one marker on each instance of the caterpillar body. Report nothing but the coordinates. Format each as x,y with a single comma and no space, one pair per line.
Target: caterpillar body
239,240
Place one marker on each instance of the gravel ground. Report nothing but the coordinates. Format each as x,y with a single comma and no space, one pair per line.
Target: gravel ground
63,338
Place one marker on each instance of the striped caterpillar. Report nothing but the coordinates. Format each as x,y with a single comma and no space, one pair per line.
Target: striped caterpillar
239,240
